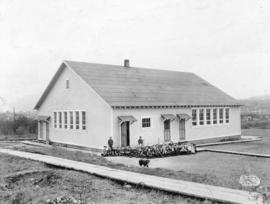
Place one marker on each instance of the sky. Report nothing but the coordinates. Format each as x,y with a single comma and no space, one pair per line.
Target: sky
226,42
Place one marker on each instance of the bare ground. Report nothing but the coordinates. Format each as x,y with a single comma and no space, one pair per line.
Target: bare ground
209,168
25,181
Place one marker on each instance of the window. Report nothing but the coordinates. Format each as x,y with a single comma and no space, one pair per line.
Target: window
55,119
71,120
77,119
194,117
221,115
65,120
214,116
60,119
83,120
146,122
201,117
227,115
67,84
208,116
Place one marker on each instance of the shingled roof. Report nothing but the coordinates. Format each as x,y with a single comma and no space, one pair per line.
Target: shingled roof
130,86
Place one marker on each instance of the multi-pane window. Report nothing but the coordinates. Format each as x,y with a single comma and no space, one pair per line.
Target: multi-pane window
214,116
208,116
55,119
71,119
201,116
227,115
83,120
146,122
194,117
221,115
60,119
65,120
77,117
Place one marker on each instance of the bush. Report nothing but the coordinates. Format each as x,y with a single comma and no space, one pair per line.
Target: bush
153,151
20,130
20,124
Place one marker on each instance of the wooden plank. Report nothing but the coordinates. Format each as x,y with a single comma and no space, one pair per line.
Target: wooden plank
161,183
238,153
229,142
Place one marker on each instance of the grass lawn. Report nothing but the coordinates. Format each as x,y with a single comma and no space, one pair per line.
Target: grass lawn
257,132
205,167
11,137
257,147
25,181
208,167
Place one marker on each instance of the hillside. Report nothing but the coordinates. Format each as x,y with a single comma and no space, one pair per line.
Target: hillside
259,104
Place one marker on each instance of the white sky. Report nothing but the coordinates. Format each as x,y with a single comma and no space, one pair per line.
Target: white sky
226,42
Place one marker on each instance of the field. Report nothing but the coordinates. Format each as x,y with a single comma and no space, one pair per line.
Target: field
24,181
256,147
206,167
17,137
257,132
259,124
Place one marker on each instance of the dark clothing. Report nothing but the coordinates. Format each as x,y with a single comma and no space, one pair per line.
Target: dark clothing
110,143
140,141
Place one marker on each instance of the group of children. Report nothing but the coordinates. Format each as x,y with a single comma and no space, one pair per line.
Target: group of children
110,142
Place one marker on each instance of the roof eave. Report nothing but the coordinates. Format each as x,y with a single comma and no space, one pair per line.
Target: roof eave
50,85
171,106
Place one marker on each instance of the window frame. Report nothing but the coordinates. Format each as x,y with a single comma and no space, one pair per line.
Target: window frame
77,120
55,119
71,120
227,115
194,119
60,120
201,116
221,115
65,119
146,124
83,119
208,112
215,116
67,84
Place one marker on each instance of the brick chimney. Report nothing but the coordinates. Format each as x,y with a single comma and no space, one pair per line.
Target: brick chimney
126,63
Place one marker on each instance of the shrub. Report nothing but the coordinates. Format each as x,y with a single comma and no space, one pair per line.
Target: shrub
20,130
153,151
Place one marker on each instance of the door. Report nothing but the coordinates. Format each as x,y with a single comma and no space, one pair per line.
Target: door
47,132
125,139
167,130
41,130
182,129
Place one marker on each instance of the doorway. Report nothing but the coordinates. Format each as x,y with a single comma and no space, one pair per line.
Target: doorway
41,130
182,129
125,136
167,130
47,131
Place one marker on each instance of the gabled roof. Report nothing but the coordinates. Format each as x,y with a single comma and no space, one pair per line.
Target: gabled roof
122,86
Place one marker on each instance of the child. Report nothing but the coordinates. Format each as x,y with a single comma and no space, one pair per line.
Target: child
110,143
140,141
